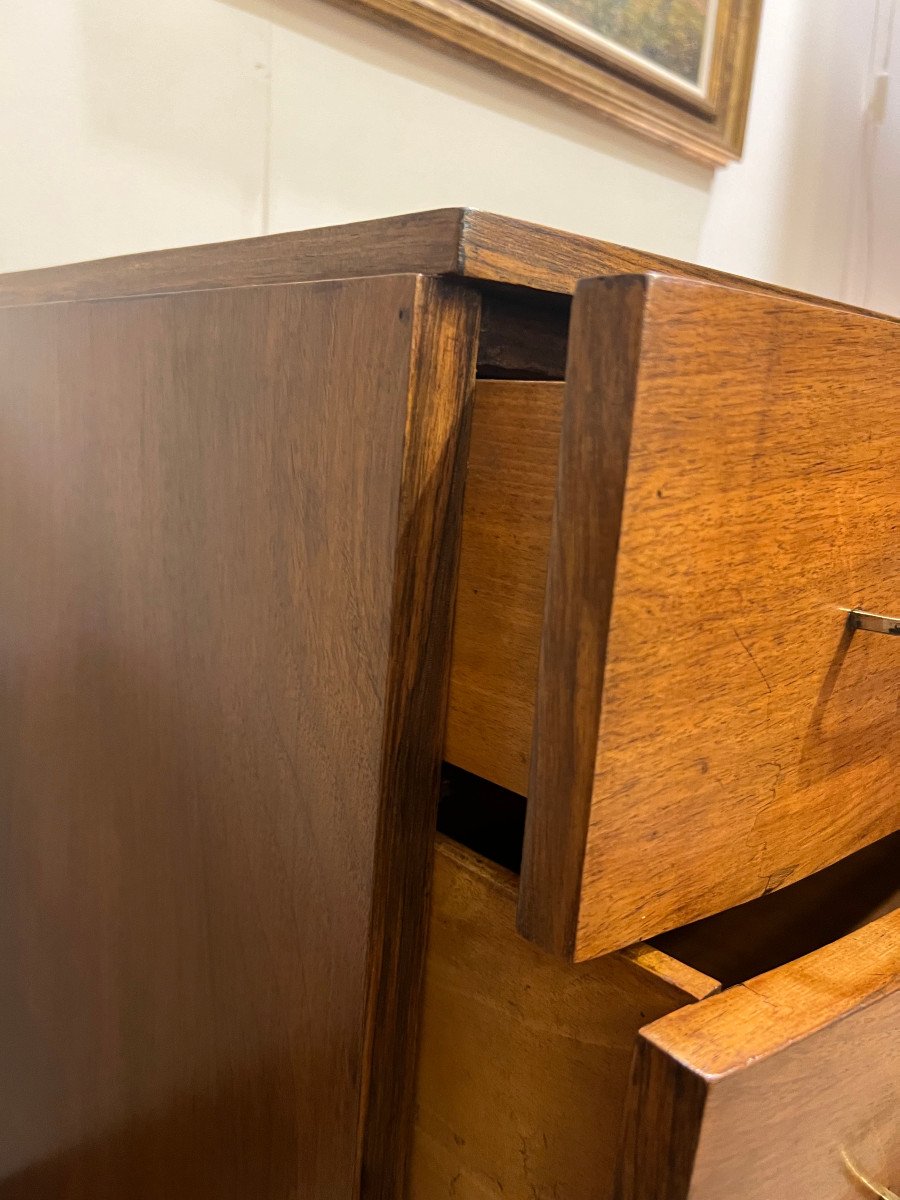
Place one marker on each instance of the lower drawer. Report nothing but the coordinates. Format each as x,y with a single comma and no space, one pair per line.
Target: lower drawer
787,1085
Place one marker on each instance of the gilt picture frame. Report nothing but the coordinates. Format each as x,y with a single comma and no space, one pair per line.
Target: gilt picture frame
677,71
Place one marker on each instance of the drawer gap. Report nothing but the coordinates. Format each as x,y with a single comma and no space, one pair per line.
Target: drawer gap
732,946
766,933
482,816
524,334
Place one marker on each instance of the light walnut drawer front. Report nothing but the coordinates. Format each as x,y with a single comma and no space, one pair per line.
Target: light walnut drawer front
787,1086
652,639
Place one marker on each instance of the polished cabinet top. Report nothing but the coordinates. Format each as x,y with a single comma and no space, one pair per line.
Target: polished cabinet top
452,241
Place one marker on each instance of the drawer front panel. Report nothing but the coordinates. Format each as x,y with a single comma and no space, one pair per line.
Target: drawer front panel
786,1086
707,726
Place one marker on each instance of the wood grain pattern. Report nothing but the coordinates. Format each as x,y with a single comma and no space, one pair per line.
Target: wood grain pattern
507,515
421,242
593,463
452,241
228,530
495,247
706,728
524,1058
762,1090
709,128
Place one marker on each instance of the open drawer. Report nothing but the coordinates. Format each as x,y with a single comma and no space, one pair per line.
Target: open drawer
788,1085
784,1086
653,640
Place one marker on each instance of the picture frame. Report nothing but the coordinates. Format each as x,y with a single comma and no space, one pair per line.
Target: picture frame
677,71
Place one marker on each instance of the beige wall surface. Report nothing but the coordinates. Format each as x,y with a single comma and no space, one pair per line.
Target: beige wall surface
126,126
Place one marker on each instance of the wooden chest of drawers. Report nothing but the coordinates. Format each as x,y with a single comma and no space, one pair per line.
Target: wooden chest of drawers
289,523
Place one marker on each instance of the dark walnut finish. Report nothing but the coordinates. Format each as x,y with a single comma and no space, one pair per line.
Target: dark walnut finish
229,526
453,241
788,1085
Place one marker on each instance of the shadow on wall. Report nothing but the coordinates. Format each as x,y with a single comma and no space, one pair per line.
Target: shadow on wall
228,118
476,84
784,213
822,137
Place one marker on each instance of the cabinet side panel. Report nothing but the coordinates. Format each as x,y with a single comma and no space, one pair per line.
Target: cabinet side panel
203,500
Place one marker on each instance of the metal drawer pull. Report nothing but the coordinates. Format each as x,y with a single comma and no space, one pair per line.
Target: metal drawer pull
875,1188
873,623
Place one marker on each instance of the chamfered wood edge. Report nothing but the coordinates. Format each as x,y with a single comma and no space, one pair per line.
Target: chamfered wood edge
454,241
442,376
601,384
664,1106
495,247
681,975
680,1058
758,1018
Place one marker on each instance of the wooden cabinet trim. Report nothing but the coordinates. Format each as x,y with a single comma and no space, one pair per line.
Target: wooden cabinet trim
451,241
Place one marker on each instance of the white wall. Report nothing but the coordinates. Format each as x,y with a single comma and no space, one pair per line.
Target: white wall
873,274
784,213
126,125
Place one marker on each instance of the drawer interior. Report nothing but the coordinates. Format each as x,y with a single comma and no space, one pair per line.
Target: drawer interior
764,934
525,1058
507,518
732,946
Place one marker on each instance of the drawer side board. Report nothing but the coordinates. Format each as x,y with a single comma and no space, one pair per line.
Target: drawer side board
524,1059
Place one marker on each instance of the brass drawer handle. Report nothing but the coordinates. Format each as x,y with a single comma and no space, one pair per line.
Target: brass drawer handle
875,1188
873,623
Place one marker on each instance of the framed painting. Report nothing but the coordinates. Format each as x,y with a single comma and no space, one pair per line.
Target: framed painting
678,71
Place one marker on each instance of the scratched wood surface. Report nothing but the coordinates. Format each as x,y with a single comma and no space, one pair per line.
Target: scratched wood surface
788,1085
228,526
706,727
525,1059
